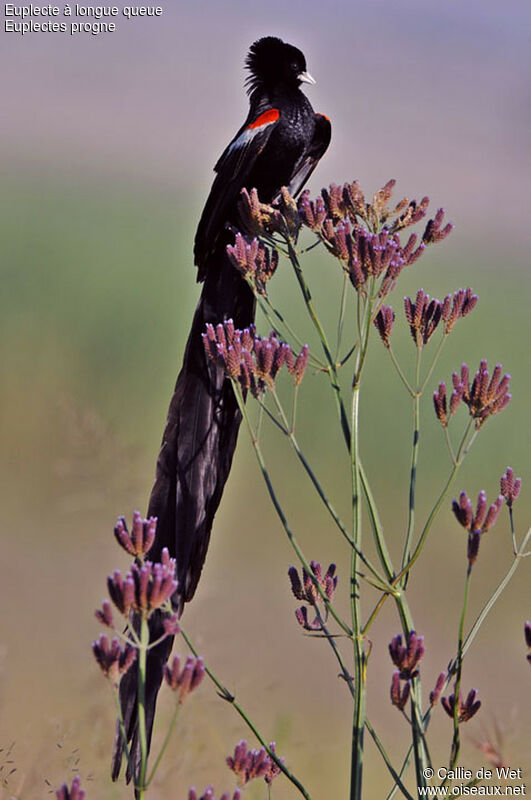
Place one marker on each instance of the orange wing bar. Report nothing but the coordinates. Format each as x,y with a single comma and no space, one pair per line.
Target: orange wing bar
266,118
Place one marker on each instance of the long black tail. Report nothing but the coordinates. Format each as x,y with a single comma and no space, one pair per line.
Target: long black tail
192,468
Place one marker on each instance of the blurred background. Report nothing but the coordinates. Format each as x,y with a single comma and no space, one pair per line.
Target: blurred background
107,146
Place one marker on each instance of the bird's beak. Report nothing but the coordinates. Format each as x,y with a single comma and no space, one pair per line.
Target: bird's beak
305,77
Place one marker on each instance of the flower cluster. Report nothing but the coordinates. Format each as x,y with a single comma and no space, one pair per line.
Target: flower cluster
139,541
209,794
509,487
347,224
256,262
254,361
423,317
466,709
249,764
457,306
74,793
307,591
476,523
485,396
145,587
348,202
370,255
406,658
186,680
113,658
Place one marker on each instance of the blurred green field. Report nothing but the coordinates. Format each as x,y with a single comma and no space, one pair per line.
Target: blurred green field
98,290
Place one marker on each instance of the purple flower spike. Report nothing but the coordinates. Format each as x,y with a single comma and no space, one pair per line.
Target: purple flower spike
384,323
509,487
441,405
301,615
466,709
423,316
306,589
186,680
457,306
74,793
406,657
301,363
312,213
142,535
256,262
114,660
252,360
399,696
483,519
105,614
487,395
434,233
296,585
154,584
171,625
121,591
437,689
476,523
248,764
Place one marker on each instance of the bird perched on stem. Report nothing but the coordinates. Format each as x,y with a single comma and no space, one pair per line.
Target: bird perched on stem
279,144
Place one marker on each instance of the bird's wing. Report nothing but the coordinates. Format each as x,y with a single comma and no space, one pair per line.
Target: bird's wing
233,169
310,158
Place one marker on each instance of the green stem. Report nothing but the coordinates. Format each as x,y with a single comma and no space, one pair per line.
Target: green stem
341,320
456,743
400,372
413,471
418,734
396,776
169,733
461,453
433,363
449,444
226,695
496,595
349,680
309,303
358,724
269,311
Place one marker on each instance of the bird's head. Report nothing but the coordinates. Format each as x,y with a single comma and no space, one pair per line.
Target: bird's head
273,63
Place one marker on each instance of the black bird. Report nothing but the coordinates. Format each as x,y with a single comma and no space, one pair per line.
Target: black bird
279,144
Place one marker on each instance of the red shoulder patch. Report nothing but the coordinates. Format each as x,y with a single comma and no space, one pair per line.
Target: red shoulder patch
266,118
324,115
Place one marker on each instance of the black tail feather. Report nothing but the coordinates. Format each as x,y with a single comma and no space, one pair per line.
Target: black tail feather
192,468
